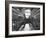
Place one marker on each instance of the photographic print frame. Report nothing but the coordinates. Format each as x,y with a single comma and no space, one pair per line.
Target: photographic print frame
8,6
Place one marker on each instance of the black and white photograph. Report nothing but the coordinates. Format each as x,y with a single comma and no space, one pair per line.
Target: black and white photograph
25,19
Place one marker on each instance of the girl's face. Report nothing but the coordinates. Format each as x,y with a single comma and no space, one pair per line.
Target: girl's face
27,13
